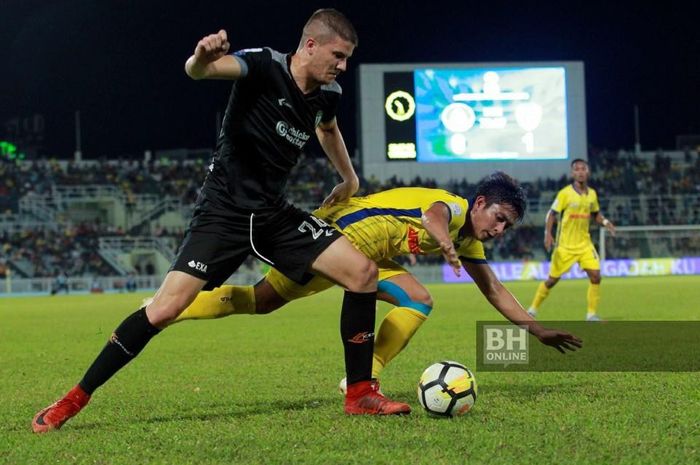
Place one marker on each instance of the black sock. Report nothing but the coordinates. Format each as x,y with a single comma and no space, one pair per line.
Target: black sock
357,332
125,343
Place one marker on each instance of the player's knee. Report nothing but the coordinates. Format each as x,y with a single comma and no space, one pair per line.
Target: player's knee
267,298
363,277
423,297
551,282
419,300
268,304
162,313
596,279
161,317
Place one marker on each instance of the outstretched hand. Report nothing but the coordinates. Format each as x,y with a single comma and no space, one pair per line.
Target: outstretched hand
212,47
560,340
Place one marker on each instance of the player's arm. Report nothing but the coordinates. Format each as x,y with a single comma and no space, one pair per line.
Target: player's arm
498,296
210,59
550,219
331,140
606,223
436,221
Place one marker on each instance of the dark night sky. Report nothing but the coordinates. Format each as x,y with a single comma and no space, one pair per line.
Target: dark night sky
121,62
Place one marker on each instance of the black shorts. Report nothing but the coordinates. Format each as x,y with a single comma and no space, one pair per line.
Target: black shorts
217,242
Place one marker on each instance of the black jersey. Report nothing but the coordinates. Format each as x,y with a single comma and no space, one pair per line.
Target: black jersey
268,121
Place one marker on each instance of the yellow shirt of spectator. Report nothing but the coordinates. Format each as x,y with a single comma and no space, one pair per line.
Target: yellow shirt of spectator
575,210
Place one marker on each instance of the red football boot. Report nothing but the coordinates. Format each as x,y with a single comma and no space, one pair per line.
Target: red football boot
365,398
56,414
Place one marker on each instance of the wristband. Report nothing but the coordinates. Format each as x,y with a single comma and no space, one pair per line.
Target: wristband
606,221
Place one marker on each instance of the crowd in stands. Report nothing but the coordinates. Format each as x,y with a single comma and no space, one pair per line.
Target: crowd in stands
626,173
43,252
165,178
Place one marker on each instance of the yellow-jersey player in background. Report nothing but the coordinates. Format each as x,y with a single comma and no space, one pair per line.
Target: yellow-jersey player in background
396,222
577,203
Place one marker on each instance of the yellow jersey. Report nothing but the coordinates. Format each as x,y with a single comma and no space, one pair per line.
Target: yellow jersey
388,223
575,210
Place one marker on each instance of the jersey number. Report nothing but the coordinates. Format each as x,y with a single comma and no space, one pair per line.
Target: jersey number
316,232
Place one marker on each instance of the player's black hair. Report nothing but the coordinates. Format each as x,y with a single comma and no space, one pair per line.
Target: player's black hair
503,189
577,160
334,22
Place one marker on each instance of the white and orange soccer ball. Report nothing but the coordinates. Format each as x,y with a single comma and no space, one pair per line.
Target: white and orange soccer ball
447,389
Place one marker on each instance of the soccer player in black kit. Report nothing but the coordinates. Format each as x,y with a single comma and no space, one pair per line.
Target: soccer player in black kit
277,102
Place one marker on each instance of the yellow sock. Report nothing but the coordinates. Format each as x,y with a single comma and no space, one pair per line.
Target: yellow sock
222,301
593,297
540,295
396,329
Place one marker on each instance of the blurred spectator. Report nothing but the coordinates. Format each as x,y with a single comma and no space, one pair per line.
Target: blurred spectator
60,283
130,283
96,286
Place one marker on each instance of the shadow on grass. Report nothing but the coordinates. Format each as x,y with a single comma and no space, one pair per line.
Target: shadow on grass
524,390
528,390
221,410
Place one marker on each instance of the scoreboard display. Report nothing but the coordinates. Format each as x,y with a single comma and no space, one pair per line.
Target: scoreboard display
488,116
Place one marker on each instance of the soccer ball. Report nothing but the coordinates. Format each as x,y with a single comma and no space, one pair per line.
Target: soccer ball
447,389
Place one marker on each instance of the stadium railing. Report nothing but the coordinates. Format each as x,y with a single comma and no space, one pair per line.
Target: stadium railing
650,242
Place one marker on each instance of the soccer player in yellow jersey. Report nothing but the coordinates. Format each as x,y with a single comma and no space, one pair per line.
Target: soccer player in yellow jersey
396,222
576,204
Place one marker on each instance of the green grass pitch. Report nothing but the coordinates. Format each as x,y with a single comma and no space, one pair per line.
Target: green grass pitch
262,389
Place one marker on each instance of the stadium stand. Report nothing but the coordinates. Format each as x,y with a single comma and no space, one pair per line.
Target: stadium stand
126,217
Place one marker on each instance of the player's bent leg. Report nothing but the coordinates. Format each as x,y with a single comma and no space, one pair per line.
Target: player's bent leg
176,293
220,302
272,292
399,287
413,306
276,290
126,342
267,299
342,263
345,265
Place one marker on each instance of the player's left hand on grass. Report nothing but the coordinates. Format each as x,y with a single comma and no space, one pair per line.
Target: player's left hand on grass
560,340
342,191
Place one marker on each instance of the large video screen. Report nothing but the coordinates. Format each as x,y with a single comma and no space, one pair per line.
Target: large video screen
453,115
448,121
